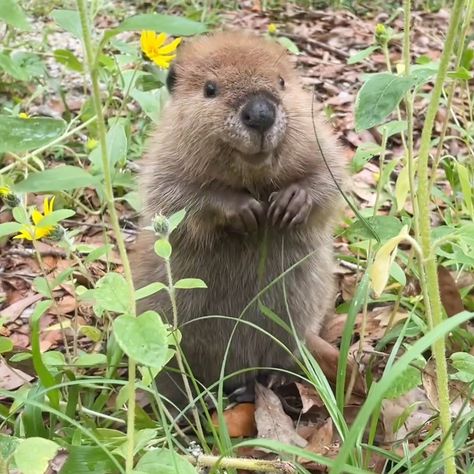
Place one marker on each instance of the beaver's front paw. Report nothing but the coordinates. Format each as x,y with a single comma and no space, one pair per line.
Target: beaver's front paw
290,206
244,214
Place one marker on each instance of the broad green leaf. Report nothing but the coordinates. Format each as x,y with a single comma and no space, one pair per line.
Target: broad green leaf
149,290
69,20
20,215
288,44
385,226
378,97
54,359
117,146
91,332
461,73
8,65
90,360
420,74
57,216
144,338
6,345
398,274
151,102
361,55
380,270
8,228
175,219
163,249
88,459
8,444
97,253
61,178
40,284
68,59
364,153
110,294
464,363
134,200
164,461
467,58
190,283
402,187
32,456
394,127
169,24
12,14
20,135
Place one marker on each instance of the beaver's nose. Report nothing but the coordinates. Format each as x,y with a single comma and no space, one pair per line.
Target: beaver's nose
258,113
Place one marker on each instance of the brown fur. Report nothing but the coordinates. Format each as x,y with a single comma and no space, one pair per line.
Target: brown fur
195,161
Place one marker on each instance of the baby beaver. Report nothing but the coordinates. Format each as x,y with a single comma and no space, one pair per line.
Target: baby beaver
236,148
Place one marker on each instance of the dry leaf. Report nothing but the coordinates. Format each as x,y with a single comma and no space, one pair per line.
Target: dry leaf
272,421
240,420
450,296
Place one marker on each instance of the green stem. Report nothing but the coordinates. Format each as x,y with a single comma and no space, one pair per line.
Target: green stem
109,198
179,358
429,262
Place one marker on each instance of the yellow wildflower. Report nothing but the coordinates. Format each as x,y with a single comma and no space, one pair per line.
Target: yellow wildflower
153,47
38,231
272,28
23,115
4,191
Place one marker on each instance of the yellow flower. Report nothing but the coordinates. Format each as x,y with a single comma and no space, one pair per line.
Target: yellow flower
23,115
152,46
272,28
4,191
38,231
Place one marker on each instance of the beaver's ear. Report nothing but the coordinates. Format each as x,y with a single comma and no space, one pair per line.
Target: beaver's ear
171,79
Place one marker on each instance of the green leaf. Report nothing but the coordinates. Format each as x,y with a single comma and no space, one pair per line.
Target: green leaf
54,359
466,187
57,216
20,135
87,460
149,290
61,178
151,102
190,283
464,363
394,127
143,338
407,381
8,65
288,44
164,461
40,284
6,345
169,24
33,455
117,146
361,55
90,360
20,215
378,97
175,219
467,58
461,73
8,228
91,332
13,15
68,59
163,249
42,371
385,226
69,20
110,294
364,153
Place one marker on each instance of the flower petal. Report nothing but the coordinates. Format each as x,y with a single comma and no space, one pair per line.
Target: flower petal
169,48
24,234
160,40
163,61
36,216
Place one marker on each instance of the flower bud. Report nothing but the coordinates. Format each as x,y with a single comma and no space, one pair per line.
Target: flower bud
57,233
382,34
161,226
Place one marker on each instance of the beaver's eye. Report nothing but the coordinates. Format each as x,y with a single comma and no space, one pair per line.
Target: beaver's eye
281,81
210,89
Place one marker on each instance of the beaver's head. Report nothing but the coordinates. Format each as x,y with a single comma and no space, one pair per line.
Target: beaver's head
234,89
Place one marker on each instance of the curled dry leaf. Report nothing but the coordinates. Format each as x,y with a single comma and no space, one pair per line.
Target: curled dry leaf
240,420
309,397
321,439
272,422
16,309
10,378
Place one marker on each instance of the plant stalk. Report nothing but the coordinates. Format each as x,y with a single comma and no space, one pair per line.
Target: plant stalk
109,198
429,263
